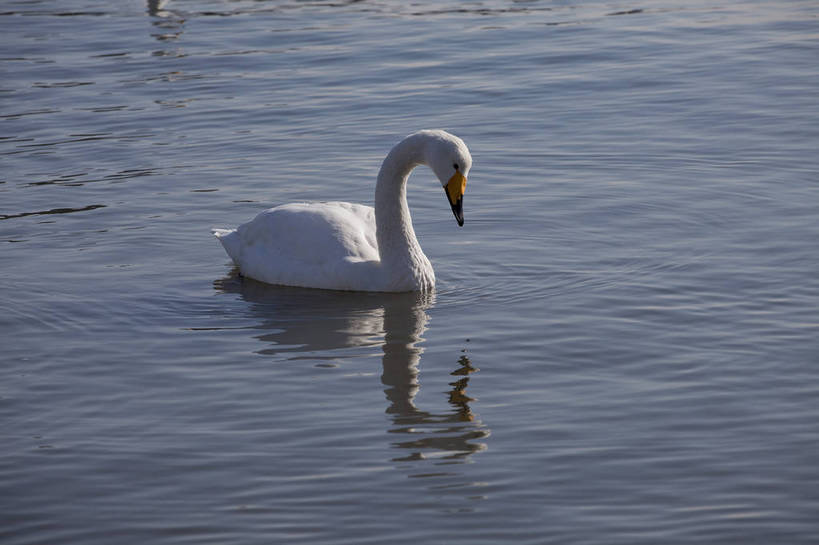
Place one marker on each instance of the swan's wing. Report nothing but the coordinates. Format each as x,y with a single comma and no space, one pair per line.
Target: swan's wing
314,232
303,243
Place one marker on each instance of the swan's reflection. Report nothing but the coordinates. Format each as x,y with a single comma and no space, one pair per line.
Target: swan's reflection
156,8
455,432
169,22
318,324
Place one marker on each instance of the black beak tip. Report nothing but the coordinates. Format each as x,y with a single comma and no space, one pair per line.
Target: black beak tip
458,210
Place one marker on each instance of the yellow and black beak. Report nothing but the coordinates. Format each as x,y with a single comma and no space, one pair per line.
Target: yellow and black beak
454,189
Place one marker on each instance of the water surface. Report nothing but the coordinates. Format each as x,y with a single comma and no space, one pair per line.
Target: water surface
622,347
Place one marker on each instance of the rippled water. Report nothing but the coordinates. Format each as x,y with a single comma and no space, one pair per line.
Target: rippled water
623,344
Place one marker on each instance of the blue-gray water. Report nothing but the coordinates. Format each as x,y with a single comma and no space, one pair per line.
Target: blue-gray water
624,344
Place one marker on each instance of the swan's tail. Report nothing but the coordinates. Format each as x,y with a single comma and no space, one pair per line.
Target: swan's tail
231,242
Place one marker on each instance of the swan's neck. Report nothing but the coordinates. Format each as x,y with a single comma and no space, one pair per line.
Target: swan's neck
399,249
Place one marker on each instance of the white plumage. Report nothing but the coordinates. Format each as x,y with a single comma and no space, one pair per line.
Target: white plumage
345,246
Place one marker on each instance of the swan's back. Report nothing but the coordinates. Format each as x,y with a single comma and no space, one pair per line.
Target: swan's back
305,244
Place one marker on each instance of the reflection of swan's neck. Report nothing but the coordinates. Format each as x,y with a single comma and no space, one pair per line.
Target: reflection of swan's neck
398,248
405,321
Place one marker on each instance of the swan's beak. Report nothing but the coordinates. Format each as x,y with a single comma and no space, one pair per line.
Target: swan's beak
455,188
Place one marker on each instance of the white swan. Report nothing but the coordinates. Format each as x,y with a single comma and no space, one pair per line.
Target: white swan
344,246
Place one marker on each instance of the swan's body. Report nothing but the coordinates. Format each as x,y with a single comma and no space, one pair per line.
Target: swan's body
344,246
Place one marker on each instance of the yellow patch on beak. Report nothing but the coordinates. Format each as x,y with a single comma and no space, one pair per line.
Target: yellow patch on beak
455,188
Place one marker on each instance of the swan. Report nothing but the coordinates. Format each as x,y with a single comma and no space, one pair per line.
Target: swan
346,246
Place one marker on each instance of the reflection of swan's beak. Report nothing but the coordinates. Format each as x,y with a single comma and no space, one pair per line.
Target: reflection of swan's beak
455,188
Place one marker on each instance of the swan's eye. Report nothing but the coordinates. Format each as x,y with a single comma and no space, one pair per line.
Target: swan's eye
455,165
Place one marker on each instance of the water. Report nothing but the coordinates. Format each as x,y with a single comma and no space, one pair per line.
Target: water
623,344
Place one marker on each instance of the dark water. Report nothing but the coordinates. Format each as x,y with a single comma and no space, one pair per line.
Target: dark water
623,344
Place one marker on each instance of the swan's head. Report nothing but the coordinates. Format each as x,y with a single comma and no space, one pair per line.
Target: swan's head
449,159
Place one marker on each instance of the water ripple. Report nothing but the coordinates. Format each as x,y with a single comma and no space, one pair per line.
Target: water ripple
52,211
